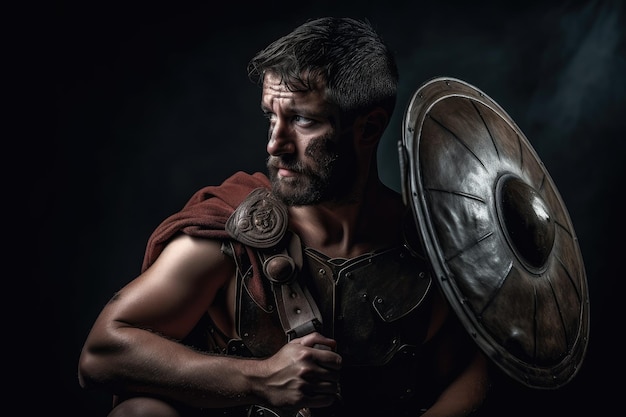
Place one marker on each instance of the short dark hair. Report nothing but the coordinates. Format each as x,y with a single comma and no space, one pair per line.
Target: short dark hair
358,68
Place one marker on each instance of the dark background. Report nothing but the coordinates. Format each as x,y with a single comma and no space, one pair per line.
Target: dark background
150,103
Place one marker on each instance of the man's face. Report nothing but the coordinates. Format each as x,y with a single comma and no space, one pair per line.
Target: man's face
309,161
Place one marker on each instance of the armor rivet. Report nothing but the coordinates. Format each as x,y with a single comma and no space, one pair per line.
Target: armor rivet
270,307
321,272
364,295
294,295
349,275
379,300
422,274
245,335
298,311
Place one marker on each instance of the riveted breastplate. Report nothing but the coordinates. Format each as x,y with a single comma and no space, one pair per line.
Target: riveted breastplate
371,304
374,305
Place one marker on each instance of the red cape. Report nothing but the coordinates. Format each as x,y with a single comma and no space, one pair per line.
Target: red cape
205,215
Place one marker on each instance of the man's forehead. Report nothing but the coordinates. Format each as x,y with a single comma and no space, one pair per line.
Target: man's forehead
273,85
275,88
305,83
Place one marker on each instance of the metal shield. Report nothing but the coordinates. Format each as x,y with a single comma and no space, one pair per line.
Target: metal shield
495,229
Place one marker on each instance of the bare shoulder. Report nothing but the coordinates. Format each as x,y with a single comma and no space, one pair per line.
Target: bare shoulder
180,285
390,214
390,204
190,255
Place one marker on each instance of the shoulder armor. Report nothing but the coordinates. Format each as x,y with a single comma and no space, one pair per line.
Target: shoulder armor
260,221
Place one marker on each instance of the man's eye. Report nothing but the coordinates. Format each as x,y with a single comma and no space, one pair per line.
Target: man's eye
303,121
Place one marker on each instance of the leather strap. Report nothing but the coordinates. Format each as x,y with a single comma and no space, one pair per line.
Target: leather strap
297,310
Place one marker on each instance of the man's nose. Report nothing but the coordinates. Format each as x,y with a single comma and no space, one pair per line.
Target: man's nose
280,140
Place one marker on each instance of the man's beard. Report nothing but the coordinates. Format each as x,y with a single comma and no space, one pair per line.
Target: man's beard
330,180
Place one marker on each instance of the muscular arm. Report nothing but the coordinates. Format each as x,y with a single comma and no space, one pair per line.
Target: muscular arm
133,346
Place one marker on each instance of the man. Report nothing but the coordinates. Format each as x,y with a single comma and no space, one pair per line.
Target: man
299,294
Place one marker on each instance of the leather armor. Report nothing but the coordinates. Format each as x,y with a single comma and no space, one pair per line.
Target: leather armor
376,306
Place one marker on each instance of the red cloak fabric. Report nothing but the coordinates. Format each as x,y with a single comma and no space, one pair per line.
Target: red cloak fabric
205,215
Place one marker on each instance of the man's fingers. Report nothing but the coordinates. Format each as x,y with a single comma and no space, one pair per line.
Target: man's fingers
315,338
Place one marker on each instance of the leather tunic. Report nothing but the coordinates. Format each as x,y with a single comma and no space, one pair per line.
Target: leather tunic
377,308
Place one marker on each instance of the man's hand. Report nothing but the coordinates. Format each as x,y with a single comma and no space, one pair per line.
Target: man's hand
303,373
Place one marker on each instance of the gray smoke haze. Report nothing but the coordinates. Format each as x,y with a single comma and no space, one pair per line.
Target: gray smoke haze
588,80
558,70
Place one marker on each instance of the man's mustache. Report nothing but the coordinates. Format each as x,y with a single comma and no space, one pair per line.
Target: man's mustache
286,162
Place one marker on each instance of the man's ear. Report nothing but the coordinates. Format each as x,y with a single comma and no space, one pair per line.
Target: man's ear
373,125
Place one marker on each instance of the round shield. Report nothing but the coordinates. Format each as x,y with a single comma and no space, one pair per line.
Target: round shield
496,231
